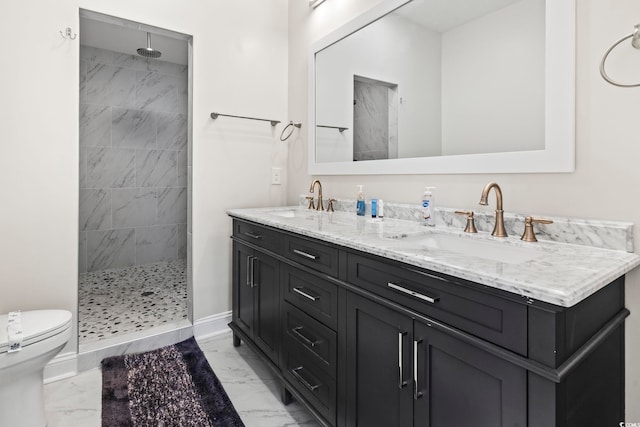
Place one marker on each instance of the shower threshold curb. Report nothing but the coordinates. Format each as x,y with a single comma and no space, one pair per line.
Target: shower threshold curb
90,355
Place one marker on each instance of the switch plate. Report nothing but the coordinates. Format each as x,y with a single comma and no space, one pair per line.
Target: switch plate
276,176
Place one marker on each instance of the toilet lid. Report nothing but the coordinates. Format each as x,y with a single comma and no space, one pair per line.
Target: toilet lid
37,325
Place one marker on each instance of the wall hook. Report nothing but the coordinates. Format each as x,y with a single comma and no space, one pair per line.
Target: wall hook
67,34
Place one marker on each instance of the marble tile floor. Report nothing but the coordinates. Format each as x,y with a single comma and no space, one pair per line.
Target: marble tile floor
75,402
126,300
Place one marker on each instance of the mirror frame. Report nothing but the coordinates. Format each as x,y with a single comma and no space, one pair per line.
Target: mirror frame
559,152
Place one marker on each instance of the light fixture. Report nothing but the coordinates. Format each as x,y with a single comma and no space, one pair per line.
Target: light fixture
315,3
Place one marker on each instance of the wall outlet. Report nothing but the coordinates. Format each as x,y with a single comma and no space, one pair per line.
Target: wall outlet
276,176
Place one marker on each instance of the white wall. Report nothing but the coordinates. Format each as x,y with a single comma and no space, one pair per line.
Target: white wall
386,51
491,102
604,185
240,67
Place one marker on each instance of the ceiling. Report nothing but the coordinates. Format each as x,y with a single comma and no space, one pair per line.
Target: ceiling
443,15
124,36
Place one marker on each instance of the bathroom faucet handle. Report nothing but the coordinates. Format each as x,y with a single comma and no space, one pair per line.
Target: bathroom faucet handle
312,205
330,207
529,235
471,225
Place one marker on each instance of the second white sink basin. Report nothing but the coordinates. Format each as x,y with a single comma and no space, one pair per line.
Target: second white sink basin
493,250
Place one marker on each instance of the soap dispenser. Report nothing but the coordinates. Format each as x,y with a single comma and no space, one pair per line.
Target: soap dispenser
360,206
428,211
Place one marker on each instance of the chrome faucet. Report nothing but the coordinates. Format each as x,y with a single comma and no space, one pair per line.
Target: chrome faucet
498,229
319,206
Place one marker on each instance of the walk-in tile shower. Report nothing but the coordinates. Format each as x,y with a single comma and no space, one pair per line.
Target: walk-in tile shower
133,192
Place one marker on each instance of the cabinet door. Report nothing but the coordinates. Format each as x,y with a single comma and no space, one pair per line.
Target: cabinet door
266,287
378,350
461,385
243,305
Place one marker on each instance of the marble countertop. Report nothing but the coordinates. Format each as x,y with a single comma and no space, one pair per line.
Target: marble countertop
557,273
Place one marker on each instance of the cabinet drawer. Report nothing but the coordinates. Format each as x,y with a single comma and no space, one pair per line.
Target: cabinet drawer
312,254
304,335
258,235
312,383
497,320
309,293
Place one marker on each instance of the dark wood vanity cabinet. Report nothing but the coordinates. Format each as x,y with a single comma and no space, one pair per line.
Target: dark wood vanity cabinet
256,290
366,341
409,373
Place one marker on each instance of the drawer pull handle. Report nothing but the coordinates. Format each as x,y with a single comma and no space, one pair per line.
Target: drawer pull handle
401,381
306,295
416,390
412,293
304,382
252,235
304,254
297,330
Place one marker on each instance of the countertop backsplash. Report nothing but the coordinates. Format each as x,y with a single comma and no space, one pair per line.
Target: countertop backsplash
596,233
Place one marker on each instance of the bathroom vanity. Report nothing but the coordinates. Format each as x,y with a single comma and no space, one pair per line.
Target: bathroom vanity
393,324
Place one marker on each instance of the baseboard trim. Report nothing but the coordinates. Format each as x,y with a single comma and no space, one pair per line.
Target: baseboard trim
64,365
212,326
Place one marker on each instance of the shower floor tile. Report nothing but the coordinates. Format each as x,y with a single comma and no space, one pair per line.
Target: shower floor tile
131,299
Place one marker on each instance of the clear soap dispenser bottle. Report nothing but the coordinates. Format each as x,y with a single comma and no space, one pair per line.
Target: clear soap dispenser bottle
428,211
360,201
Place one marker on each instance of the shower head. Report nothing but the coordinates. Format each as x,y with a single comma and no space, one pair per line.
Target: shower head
148,52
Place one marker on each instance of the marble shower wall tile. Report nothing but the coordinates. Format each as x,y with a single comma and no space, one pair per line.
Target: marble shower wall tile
83,167
110,167
155,91
96,54
183,170
134,128
95,125
83,81
172,131
95,209
82,253
134,207
109,85
157,243
182,241
156,168
110,249
172,206
133,137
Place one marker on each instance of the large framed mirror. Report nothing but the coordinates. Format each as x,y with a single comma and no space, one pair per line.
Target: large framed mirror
446,86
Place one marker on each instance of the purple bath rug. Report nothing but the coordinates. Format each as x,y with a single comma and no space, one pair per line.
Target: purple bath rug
170,386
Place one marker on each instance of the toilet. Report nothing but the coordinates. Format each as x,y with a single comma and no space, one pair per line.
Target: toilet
45,333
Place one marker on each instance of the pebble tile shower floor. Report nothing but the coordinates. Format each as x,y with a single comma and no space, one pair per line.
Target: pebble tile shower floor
131,299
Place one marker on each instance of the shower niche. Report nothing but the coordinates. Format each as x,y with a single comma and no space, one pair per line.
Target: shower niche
134,230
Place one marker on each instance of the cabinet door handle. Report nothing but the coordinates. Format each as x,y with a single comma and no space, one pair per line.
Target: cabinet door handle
297,330
304,254
253,272
252,235
306,295
401,381
249,271
307,384
413,293
416,389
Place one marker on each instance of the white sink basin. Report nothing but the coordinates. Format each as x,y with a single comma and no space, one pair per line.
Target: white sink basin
493,250
290,213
